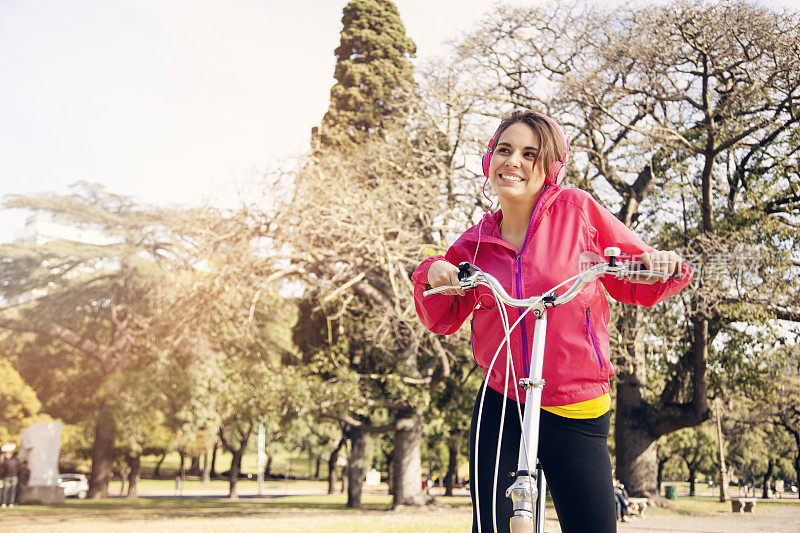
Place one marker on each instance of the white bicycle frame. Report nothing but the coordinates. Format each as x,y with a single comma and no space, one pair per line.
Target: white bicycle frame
528,490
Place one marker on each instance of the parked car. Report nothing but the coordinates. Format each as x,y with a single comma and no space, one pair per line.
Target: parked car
74,485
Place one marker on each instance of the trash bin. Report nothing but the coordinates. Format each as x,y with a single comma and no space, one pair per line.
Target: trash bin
671,492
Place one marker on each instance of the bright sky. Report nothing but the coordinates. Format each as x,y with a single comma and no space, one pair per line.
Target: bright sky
175,101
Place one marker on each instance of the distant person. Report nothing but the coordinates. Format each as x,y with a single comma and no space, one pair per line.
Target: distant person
10,479
621,500
24,478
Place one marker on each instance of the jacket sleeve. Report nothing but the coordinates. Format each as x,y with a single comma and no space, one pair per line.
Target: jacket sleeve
608,230
440,313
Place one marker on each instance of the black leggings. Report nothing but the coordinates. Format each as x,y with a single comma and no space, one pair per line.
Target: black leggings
573,453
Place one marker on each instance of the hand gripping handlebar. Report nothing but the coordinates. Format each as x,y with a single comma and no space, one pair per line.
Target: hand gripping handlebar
470,277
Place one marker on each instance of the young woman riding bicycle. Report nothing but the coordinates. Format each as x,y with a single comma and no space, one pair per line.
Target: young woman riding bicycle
533,242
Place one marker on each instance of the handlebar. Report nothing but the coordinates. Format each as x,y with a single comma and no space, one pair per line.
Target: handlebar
470,277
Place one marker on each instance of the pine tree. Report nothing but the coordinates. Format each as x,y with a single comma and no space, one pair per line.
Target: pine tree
373,73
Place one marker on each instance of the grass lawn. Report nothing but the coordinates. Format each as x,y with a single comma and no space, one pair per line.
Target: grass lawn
290,514
244,485
299,513
283,464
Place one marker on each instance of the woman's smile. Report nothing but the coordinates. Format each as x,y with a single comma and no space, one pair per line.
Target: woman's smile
510,176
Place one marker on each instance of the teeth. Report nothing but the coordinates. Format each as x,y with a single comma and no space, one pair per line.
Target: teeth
510,178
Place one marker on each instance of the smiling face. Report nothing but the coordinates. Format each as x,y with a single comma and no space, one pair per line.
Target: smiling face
516,171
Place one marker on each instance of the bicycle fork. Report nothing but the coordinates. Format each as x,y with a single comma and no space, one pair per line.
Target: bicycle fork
528,490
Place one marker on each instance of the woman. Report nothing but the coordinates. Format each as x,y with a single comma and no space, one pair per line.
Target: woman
531,244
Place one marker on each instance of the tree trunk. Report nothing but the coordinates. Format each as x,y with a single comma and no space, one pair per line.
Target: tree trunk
135,465
452,468
355,468
194,470
157,469
123,478
236,460
636,450
214,474
407,471
268,467
660,475
332,472
797,472
102,454
767,478
182,474
333,461
723,471
206,467
182,466
316,469
390,474
345,477
233,475
692,475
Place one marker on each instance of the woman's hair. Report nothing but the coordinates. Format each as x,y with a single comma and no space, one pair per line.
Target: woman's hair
551,145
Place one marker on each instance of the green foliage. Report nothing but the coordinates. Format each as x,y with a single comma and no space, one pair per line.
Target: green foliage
109,321
754,446
18,403
373,74
695,447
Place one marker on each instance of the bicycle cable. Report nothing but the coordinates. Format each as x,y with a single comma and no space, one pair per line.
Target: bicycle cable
509,364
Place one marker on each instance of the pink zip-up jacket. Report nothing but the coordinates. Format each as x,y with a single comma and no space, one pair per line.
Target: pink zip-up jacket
565,223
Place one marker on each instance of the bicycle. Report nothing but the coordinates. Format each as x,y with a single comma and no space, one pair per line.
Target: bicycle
527,491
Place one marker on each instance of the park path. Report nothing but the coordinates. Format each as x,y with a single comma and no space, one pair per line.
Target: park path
774,519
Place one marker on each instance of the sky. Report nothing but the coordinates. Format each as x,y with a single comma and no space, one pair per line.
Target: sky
176,101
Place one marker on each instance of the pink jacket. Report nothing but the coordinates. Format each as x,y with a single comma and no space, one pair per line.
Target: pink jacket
565,223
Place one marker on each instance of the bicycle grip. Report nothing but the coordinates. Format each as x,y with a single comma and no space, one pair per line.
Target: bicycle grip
639,265
465,269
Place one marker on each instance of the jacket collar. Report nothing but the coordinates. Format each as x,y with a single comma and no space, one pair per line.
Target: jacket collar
489,226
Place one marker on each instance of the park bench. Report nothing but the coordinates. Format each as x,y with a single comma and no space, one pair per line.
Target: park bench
637,506
743,505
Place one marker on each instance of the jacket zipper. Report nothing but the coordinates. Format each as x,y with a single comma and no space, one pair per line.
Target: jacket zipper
526,356
594,341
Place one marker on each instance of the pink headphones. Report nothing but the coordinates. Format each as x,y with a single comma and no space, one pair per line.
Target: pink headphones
557,171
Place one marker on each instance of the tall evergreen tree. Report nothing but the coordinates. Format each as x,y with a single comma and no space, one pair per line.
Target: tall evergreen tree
373,74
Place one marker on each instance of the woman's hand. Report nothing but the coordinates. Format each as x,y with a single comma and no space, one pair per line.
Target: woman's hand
444,273
667,262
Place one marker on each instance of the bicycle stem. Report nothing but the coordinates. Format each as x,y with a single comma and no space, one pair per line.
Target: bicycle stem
527,486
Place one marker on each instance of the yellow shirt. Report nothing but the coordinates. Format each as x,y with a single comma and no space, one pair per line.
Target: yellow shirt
588,409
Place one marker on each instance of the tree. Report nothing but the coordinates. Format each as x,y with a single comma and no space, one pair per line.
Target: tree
665,454
683,121
358,229
695,447
786,404
448,418
18,403
141,429
104,304
373,74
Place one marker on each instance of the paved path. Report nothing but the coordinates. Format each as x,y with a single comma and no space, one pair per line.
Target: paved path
772,519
